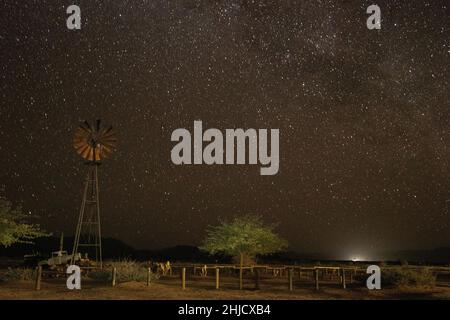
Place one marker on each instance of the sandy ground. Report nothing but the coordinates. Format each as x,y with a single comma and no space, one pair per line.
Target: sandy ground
170,289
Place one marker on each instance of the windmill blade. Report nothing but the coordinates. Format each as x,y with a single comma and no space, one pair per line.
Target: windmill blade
77,142
82,134
105,134
86,152
108,130
109,146
105,151
80,150
86,126
80,138
110,135
97,154
92,155
109,142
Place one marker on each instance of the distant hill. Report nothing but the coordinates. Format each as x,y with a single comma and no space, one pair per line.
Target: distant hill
290,257
179,253
112,248
438,255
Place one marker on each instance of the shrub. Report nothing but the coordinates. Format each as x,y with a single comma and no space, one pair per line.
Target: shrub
100,275
127,270
17,274
402,277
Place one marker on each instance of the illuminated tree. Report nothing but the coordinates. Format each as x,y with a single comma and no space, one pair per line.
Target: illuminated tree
245,236
13,229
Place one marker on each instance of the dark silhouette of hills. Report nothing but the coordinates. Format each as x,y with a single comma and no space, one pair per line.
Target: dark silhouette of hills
179,253
290,257
438,255
112,248
116,249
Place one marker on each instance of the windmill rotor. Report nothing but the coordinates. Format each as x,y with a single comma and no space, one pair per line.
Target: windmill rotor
94,142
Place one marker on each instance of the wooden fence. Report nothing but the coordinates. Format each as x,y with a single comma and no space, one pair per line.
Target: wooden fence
316,275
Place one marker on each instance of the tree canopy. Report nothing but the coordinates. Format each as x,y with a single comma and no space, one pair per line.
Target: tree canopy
13,228
246,235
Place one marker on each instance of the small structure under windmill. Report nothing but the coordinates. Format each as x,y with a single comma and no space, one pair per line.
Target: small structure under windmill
93,143
58,258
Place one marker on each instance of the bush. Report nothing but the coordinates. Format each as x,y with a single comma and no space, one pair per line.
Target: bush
17,274
127,271
402,277
100,275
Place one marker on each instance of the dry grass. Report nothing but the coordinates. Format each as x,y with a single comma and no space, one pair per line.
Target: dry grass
17,274
408,278
397,283
203,288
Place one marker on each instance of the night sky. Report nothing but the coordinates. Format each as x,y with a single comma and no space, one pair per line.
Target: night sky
363,117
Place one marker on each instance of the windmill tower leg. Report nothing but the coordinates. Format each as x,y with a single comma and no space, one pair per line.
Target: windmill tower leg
80,221
88,232
99,229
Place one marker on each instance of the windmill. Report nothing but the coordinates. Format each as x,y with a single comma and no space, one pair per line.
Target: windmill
93,143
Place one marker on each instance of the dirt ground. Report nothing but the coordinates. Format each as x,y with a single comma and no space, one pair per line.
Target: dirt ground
170,289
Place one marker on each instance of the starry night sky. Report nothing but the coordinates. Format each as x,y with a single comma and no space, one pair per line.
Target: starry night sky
363,117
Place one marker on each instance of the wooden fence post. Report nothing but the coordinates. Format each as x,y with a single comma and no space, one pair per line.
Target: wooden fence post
183,278
241,271
240,278
217,279
290,279
149,276
257,278
38,277
316,278
343,279
114,276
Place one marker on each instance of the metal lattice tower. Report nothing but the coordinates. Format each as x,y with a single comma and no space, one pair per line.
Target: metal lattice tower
93,143
88,235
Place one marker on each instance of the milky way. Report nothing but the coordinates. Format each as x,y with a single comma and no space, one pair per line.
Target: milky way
363,117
